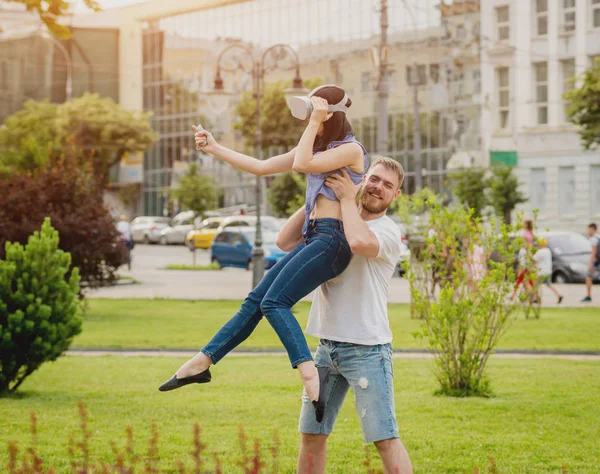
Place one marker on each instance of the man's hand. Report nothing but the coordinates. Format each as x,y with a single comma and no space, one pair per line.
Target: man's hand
342,186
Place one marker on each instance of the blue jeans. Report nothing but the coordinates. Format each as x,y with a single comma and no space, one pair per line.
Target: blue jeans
323,255
370,373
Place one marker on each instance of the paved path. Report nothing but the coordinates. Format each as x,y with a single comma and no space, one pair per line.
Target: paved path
398,354
232,283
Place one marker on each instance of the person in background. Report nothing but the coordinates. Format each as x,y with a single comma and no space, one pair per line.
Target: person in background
125,231
594,266
543,264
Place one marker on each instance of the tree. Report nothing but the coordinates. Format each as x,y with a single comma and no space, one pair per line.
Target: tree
195,192
51,11
584,107
277,125
98,127
38,306
504,193
67,194
469,186
286,193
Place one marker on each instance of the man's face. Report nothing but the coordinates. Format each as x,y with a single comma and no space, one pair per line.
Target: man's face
591,231
380,188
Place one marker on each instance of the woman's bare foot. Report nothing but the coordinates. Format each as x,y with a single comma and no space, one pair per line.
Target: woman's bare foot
199,363
310,379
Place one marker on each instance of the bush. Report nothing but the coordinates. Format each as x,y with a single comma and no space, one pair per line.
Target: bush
462,296
66,194
286,193
38,306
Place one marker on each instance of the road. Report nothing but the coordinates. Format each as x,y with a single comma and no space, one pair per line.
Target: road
149,262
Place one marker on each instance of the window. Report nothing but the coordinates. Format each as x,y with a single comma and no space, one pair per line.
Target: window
595,189
392,78
434,73
541,92
421,75
538,189
222,238
476,75
461,32
502,23
212,225
541,17
503,79
596,13
566,190
237,239
568,15
365,82
568,73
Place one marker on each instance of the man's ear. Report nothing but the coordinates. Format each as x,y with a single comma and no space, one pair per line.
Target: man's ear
396,194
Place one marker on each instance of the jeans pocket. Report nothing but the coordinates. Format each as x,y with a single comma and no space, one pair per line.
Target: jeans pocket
342,258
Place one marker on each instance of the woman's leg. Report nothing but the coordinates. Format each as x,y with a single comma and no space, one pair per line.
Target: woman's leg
324,257
239,327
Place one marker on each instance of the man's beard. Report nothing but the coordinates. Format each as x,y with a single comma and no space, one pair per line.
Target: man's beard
372,204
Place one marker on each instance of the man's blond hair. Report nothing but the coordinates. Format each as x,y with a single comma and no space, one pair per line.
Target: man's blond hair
389,164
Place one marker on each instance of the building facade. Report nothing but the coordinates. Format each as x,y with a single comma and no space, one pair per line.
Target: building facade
533,50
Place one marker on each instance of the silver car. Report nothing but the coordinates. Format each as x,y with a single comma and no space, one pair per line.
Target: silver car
178,228
146,229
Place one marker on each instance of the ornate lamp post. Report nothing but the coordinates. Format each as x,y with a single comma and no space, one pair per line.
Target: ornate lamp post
259,67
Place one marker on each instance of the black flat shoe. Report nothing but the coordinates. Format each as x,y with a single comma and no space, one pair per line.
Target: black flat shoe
174,382
319,405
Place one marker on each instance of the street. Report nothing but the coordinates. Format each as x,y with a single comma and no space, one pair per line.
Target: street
148,268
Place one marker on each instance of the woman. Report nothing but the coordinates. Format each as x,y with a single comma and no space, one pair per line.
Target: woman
326,145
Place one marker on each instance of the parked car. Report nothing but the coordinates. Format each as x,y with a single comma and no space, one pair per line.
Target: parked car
233,246
147,229
570,256
203,237
178,228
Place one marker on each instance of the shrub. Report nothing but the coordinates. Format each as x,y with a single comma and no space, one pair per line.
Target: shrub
67,195
38,306
462,296
286,193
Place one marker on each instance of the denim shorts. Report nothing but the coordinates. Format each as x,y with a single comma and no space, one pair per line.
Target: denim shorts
369,371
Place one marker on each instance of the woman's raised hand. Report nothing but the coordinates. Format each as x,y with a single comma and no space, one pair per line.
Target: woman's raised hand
320,111
204,140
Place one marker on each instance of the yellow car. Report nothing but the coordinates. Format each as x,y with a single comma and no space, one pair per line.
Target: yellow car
202,237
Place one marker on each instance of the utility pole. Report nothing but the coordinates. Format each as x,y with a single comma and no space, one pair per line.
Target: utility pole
383,85
414,79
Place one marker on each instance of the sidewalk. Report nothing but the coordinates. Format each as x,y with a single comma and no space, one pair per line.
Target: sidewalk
235,284
398,354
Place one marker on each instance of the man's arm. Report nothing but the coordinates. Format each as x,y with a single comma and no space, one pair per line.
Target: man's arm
362,240
291,234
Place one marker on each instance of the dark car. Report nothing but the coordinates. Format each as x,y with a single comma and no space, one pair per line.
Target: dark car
570,256
233,248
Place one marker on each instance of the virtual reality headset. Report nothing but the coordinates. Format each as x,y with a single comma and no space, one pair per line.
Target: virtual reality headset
301,107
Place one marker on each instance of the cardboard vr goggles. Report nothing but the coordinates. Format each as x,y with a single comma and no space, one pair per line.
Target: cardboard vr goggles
301,107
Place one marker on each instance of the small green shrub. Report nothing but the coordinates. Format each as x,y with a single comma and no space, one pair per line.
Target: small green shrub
38,306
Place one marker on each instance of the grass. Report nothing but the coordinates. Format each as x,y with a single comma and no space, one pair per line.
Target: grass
179,266
545,414
140,323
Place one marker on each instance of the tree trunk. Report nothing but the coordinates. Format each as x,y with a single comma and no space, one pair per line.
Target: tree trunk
507,219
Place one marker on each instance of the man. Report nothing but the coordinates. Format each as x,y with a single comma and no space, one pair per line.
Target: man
594,266
349,315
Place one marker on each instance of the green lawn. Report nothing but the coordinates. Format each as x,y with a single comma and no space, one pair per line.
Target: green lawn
190,324
545,413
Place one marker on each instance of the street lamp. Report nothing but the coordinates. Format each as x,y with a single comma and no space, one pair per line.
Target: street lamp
219,99
65,53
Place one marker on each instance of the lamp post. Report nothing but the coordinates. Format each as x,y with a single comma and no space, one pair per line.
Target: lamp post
277,53
65,53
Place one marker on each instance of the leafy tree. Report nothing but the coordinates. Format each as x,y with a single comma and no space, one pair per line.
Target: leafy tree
286,193
50,12
469,186
504,193
584,107
67,194
195,192
97,126
38,306
277,125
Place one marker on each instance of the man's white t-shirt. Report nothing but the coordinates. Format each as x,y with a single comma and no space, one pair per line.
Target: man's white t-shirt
353,306
543,261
